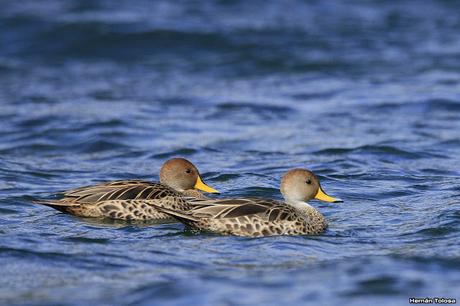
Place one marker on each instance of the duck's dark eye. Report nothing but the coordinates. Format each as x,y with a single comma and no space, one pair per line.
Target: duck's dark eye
308,181
188,171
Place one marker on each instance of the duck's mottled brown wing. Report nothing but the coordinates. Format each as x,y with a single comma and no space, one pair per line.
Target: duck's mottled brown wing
127,200
119,190
240,207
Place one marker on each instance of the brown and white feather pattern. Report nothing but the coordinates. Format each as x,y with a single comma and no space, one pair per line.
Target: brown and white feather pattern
251,217
126,200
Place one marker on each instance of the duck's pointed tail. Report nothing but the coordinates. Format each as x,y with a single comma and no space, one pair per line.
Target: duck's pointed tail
56,204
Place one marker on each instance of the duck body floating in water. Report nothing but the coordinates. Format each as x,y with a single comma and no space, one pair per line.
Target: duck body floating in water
252,217
132,199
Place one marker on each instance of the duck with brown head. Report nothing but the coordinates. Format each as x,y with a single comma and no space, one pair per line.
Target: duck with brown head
132,199
183,176
253,217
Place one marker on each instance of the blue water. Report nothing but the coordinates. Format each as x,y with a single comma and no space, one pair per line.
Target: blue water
365,93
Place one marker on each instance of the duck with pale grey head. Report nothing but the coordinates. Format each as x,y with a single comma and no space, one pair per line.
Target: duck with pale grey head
253,217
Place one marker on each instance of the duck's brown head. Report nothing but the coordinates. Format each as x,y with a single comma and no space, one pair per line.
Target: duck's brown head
181,175
301,185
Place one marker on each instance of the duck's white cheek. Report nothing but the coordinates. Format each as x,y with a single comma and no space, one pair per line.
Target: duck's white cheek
299,194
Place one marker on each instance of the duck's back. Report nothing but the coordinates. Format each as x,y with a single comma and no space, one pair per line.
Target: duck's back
119,190
126,200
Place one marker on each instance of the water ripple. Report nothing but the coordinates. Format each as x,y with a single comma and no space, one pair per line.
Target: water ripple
93,91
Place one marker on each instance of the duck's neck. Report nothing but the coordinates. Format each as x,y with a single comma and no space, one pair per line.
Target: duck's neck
193,193
302,207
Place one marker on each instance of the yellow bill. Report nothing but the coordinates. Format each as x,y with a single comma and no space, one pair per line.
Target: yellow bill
202,186
321,195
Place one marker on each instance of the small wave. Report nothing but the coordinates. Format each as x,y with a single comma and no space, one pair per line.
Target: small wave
175,153
98,146
265,112
7,211
380,285
36,147
86,240
383,150
443,105
438,231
